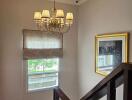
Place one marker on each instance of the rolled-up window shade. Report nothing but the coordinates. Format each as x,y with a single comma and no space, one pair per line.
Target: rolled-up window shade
38,44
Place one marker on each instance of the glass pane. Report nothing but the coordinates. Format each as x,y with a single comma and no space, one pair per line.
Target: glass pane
110,55
42,73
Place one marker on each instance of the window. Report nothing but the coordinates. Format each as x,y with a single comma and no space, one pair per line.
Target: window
42,52
42,73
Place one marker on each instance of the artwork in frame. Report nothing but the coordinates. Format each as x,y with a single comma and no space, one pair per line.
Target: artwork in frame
111,50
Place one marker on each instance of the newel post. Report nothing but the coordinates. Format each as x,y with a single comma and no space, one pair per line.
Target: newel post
55,95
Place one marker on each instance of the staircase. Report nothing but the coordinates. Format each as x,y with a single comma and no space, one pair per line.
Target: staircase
59,94
121,75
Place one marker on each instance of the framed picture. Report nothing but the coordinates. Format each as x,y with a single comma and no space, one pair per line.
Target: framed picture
111,50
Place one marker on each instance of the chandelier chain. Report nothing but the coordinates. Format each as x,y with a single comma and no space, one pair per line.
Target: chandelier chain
54,5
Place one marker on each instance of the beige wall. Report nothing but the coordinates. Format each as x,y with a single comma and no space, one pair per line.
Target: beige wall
1,93
97,17
16,15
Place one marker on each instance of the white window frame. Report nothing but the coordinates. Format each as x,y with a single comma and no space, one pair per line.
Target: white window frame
42,89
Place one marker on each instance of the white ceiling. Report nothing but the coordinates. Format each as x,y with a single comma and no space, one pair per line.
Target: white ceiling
73,2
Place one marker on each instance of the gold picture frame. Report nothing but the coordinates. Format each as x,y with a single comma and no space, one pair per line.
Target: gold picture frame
111,50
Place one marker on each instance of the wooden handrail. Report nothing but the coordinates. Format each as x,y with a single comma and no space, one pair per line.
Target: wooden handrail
122,74
58,93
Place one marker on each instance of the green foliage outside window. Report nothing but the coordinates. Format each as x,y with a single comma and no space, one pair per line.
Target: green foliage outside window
44,65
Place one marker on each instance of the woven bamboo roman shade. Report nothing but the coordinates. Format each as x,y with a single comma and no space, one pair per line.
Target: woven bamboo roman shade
38,44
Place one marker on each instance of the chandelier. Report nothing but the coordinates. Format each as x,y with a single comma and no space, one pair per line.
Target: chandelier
54,21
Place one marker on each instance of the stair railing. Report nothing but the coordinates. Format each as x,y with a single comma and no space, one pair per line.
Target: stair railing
120,75
59,94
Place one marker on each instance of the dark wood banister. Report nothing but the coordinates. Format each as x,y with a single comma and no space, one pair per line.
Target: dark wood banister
58,93
121,74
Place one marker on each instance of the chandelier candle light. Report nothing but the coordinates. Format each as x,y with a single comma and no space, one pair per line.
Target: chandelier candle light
54,21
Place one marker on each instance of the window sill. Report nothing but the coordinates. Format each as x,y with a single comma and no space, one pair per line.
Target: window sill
42,89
